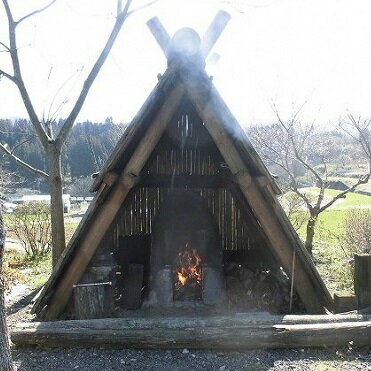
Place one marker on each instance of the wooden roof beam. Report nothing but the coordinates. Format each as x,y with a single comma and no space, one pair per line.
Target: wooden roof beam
214,31
217,117
160,34
108,210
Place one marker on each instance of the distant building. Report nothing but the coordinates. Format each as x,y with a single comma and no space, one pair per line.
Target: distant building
46,199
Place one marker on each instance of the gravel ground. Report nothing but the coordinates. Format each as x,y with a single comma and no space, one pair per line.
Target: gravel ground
18,309
171,360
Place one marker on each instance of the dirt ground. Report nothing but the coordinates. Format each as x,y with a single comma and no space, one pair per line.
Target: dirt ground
18,309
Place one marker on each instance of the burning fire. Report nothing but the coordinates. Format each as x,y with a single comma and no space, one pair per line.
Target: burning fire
188,268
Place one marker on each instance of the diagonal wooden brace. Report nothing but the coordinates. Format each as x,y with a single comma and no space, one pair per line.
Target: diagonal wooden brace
160,34
214,31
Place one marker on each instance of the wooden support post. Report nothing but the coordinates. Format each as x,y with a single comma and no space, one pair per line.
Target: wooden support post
93,300
362,280
109,209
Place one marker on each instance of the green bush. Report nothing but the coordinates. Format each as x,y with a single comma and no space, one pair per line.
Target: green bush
30,222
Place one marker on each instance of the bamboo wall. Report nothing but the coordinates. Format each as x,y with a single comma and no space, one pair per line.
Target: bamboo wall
138,216
185,149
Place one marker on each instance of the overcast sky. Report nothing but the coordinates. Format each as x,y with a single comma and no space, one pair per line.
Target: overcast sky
282,51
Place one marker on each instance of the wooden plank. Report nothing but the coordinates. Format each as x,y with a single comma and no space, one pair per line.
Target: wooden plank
362,279
345,303
243,331
209,105
109,209
93,300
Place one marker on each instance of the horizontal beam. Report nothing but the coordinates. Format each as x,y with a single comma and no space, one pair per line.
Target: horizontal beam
242,331
180,181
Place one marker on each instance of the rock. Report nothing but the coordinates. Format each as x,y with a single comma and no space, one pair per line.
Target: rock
222,368
185,351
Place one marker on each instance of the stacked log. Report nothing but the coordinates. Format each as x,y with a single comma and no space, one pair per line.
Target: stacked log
258,290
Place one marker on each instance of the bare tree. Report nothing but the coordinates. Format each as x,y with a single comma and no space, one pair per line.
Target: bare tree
52,142
359,129
5,355
293,147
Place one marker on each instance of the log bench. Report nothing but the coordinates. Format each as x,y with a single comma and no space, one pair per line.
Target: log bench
235,331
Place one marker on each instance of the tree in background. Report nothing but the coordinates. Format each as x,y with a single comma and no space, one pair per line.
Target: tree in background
297,149
85,151
51,141
5,355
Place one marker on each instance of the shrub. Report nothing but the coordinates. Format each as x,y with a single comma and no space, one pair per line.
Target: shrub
30,222
357,231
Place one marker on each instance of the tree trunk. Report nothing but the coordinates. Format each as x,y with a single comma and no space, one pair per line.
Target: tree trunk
310,233
56,202
5,355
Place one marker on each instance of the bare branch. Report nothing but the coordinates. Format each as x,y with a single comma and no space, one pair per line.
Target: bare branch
19,80
92,75
6,47
21,144
289,130
23,163
362,127
10,77
35,12
142,7
361,180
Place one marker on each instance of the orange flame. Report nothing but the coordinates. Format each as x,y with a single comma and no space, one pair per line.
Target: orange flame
188,268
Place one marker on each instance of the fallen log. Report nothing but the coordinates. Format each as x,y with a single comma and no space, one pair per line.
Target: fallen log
216,332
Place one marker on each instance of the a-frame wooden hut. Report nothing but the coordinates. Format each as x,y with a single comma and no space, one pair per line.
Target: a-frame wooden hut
183,160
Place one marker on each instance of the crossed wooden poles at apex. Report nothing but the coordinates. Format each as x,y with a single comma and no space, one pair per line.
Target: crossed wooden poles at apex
207,41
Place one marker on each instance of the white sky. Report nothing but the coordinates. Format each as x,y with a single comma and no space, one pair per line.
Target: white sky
282,51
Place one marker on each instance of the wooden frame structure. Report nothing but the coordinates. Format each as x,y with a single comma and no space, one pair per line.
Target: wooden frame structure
185,79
